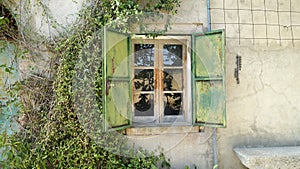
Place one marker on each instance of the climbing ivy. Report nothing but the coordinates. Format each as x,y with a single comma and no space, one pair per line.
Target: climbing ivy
52,121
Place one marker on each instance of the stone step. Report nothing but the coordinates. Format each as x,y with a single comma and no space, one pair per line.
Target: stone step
270,157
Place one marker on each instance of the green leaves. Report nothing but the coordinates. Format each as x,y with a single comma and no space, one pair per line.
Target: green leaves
52,133
3,21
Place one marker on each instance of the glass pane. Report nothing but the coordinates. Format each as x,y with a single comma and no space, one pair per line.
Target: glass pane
173,104
143,54
173,79
172,55
143,80
143,105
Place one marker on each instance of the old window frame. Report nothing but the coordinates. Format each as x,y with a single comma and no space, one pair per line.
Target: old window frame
212,45
159,119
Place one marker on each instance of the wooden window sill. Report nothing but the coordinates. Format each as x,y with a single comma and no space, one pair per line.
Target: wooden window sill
158,130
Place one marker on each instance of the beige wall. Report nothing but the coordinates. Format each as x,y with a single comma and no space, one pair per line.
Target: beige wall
263,110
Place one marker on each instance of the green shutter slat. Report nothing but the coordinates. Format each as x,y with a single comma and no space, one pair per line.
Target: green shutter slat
208,77
116,80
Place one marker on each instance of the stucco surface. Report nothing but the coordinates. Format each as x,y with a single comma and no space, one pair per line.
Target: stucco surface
262,111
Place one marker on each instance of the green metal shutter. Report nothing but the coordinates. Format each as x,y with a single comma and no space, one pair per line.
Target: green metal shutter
116,80
208,79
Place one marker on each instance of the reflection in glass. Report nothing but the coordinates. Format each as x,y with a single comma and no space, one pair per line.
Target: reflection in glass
144,80
172,55
173,79
143,105
172,104
143,54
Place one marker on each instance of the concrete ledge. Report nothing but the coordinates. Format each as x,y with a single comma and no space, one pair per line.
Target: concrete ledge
144,131
270,157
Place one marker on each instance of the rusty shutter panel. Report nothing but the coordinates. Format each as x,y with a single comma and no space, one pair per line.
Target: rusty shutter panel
208,78
116,66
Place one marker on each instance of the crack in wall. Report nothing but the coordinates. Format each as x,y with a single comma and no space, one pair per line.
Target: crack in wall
284,96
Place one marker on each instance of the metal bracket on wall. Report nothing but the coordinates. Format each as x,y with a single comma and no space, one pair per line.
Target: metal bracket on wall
238,68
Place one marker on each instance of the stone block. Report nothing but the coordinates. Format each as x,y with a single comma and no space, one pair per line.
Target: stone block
258,5
284,18
284,5
272,18
295,4
231,16
273,32
246,31
260,31
271,5
296,32
259,17
245,4
246,17
231,4
216,4
270,157
295,18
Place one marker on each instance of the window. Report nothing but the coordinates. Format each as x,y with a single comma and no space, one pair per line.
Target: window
159,80
152,82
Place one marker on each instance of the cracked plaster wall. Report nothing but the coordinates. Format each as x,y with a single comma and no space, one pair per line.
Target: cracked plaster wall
263,110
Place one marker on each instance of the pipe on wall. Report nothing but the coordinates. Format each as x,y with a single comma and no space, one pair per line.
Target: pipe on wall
208,15
214,135
214,142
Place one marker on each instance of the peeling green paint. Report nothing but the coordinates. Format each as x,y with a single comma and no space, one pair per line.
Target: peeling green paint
208,68
116,81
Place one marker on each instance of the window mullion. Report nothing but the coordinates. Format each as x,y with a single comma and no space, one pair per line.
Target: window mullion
161,85
157,82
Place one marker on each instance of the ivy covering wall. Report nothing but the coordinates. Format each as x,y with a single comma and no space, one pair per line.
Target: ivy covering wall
51,132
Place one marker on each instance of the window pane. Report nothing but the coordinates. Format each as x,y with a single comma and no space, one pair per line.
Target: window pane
173,79
172,55
143,54
172,104
143,80
143,105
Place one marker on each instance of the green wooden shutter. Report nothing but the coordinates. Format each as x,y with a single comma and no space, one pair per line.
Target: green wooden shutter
116,80
208,78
